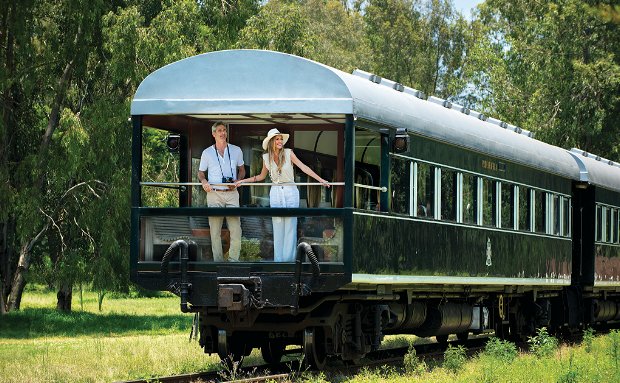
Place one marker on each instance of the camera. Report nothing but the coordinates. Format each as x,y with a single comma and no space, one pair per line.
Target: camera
228,180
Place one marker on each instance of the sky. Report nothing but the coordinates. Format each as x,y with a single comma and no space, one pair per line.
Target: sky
465,6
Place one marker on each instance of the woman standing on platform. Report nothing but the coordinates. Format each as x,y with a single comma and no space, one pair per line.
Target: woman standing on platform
278,162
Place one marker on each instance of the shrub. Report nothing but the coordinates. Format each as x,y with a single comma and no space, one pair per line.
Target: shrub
413,364
454,358
570,376
250,250
502,350
543,344
614,347
588,339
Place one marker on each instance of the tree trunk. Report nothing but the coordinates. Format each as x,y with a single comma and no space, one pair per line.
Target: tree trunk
4,257
19,280
2,305
100,296
64,296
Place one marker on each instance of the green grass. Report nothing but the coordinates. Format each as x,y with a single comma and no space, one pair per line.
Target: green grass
130,338
135,338
119,317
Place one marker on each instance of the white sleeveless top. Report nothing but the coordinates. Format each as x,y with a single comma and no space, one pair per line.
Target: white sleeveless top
284,175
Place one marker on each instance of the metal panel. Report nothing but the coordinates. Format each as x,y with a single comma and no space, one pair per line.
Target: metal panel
406,246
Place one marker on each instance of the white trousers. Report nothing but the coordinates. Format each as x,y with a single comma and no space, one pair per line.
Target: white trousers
284,228
224,199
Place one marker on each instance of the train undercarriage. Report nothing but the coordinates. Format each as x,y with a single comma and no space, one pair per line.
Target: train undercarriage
349,325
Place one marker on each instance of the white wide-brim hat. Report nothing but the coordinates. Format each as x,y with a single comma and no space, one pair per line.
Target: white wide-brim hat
272,133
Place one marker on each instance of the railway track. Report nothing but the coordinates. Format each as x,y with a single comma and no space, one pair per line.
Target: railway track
286,371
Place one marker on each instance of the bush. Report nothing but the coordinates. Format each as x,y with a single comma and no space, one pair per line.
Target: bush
614,348
543,344
454,358
502,350
413,364
250,250
588,339
571,375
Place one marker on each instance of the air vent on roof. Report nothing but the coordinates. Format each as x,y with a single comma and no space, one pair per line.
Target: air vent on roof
368,76
389,83
440,101
527,133
497,122
579,151
460,108
478,115
512,127
415,92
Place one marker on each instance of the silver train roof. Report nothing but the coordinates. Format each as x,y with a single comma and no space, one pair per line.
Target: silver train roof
596,170
246,82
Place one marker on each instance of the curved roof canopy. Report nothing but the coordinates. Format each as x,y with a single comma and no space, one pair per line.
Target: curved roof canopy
254,81
597,172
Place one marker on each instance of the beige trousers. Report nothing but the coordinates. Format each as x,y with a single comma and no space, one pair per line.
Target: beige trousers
224,199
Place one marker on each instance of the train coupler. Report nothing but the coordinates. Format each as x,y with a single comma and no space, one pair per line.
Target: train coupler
233,297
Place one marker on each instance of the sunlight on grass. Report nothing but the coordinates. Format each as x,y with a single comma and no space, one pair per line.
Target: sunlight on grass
130,357
137,338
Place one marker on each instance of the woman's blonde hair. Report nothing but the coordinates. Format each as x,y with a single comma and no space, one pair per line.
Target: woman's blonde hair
271,151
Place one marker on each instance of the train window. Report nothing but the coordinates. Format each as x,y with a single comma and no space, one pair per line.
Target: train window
607,216
489,202
599,223
367,169
565,217
507,205
400,172
524,209
319,150
617,227
426,191
556,213
323,233
614,226
159,164
540,211
469,198
448,195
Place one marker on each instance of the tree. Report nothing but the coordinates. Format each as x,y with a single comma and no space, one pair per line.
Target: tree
421,44
280,25
551,67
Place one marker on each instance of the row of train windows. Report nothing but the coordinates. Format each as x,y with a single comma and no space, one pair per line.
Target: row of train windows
607,224
432,192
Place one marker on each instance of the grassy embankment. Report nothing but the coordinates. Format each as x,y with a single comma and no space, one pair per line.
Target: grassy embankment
140,337
129,339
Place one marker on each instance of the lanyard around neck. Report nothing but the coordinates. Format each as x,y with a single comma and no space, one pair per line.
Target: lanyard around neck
217,155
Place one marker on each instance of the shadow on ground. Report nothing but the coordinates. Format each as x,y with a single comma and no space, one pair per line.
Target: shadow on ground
42,322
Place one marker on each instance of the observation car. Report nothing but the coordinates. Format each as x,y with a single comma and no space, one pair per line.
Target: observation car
439,220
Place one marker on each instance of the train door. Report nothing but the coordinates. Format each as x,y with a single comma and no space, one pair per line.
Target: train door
583,221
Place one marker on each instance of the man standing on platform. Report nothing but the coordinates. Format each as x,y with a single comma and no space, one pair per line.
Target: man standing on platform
223,164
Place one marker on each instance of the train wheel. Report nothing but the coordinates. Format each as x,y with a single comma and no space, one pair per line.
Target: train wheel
314,348
231,350
272,352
